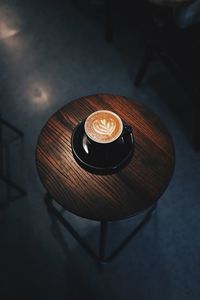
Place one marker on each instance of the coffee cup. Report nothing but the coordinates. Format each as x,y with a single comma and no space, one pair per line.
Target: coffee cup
105,136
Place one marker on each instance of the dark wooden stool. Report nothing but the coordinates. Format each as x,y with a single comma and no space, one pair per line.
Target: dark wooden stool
163,42
107,14
134,189
158,22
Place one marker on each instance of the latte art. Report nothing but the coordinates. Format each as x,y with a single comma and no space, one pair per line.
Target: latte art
103,126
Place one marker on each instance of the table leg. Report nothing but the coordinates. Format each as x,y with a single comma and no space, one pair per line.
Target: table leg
132,234
103,241
48,201
53,210
102,258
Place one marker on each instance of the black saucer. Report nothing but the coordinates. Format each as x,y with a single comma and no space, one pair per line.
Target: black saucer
121,157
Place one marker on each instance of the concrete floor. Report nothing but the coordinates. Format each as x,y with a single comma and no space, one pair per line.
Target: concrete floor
52,53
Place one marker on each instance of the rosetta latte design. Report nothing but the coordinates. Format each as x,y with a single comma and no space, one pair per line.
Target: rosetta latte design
103,126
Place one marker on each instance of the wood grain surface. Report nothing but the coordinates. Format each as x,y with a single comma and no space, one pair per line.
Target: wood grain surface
105,197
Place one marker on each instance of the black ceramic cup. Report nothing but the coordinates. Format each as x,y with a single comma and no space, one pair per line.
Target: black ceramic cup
107,153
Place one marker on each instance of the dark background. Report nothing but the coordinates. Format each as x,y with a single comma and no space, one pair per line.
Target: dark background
52,52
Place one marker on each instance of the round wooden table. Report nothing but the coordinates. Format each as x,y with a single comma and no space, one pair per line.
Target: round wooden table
135,188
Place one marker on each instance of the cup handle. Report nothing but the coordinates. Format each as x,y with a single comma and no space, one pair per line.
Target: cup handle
127,129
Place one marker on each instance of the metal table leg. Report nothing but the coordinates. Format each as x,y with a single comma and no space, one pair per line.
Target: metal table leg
103,240
102,258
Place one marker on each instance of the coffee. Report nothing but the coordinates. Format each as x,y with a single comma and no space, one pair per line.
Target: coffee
103,126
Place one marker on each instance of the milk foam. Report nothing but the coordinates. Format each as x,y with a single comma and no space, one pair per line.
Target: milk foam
104,126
